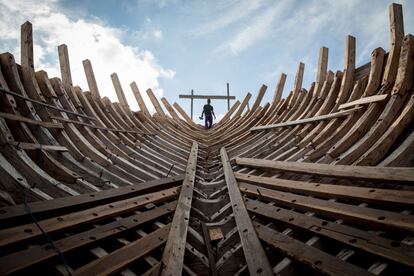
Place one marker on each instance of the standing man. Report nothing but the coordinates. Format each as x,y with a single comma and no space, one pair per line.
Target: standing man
208,110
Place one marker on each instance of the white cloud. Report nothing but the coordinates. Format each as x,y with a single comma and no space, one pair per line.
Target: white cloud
157,34
86,39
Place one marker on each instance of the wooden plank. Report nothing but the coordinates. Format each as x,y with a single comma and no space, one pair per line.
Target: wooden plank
205,97
307,120
259,97
83,201
279,89
298,84
65,65
18,118
254,253
121,258
207,242
374,195
169,108
310,256
119,91
26,45
99,127
353,237
29,231
366,100
173,255
183,113
155,103
45,104
90,78
41,253
243,105
33,146
373,218
139,98
388,174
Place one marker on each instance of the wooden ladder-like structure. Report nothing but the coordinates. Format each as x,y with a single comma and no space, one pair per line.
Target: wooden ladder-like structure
320,182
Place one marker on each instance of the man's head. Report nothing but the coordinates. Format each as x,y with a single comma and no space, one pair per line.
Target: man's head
208,101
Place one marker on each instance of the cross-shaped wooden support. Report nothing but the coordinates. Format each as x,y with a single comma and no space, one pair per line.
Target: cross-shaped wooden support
213,97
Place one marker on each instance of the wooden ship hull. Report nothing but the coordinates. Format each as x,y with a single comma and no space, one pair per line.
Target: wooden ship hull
320,182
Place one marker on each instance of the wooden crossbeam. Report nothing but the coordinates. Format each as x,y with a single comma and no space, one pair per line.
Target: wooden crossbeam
307,120
308,255
366,100
385,220
29,231
39,254
33,146
254,253
121,258
351,236
382,174
173,255
83,201
205,97
18,118
45,104
381,196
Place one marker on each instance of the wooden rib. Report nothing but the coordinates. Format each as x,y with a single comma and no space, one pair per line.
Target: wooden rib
90,78
259,97
155,103
366,100
65,65
33,146
139,98
389,174
27,45
279,89
119,91
173,255
243,105
322,67
307,120
254,253
183,113
397,34
298,84
169,108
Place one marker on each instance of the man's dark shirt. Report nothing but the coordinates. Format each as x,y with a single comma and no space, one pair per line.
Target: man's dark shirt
207,110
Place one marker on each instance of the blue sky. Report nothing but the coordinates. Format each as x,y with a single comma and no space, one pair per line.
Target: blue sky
174,46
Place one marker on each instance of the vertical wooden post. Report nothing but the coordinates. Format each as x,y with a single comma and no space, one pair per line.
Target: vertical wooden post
192,94
228,97
65,65
90,78
279,89
27,45
139,98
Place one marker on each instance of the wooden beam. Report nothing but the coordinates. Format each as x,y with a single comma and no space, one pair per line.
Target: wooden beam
183,113
355,238
173,255
121,258
312,257
254,253
259,97
26,45
205,97
307,120
365,194
119,91
64,204
139,98
45,104
243,105
365,216
279,89
90,77
155,103
33,146
298,84
35,255
64,65
230,112
366,100
169,108
18,118
382,174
